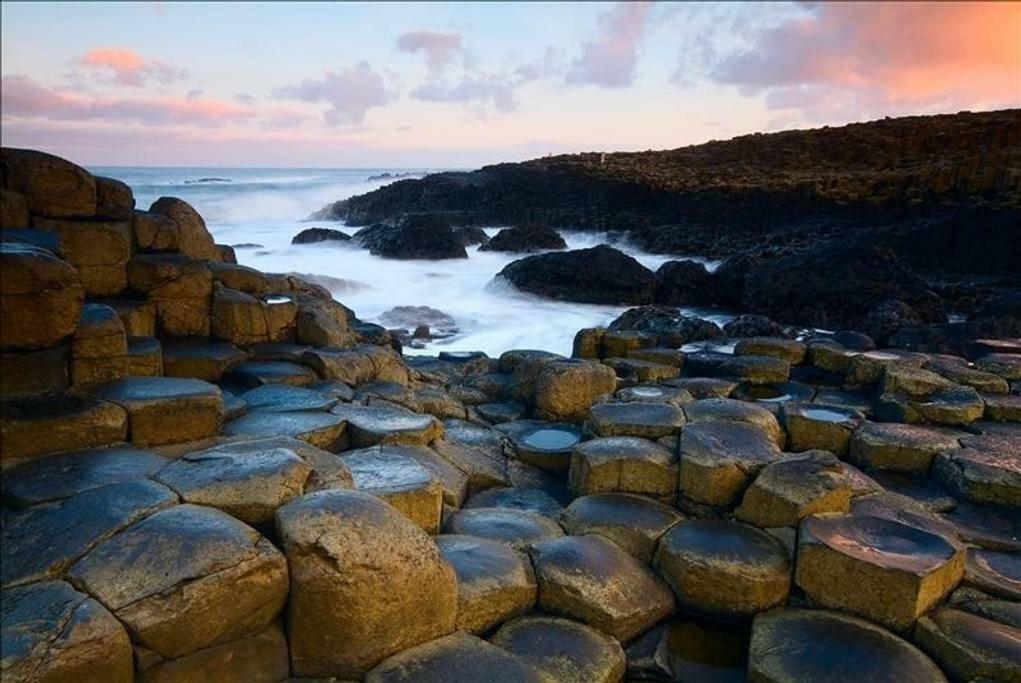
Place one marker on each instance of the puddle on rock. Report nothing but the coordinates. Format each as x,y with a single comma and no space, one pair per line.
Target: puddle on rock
548,439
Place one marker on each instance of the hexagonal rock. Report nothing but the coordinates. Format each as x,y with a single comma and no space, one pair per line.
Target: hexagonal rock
193,239
285,398
922,490
788,490
651,393
718,459
747,369
99,348
63,423
898,447
812,426
244,319
199,359
912,380
476,451
724,569
994,572
187,578
517,498
1002,408
374,425
258,373
328,470
624,464
564,650
317,428
786,349
732,410
869,367
390,474
260,658
31,550
41,297
634,523
494,582
589,578
65,475
457,658
249,486
704,387
516,528
980,642
181,289
959,372
145,357
347,366
453,482
165,410
819,645
957,406
877,568
641,370
981,474
366,582
51,632
543,444
566,389
52,186
98,248
651,420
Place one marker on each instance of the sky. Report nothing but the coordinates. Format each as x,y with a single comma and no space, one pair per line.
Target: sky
460,85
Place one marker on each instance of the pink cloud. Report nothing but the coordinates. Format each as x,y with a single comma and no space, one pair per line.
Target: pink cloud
351,92
23,97
128,67
609,60
847,57
439,48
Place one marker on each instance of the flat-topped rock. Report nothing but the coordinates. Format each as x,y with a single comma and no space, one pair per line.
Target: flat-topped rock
724,569
543,444
286,398
51,632
652,393
907,570
366,582
815,426
819,645
63,476
915,381
494,582
566,389
496,413
718,459
637,370
704,387
971,645
777,347
249,486
457,658
477,451
388,393
786,491
165,410
515,528
181,289
98,248
898,447
591,579
830,356
517,498
870,366
452,480
981,473
99,347
257,373
732,410
373,425
322,430
1002,408
399,479
1006,365
563,650
33,549
924,491
236,580
634,523
650,420
772,397
199,359
994,572
328,470
62,423
748,369
962,373
145,357
956,406
34,374
624,464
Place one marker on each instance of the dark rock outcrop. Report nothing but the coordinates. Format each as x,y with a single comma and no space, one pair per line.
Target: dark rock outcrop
415,237
471,235
525,238
665,326
599,275
684,283
313,235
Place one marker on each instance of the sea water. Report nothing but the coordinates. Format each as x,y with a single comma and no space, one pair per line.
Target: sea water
267,207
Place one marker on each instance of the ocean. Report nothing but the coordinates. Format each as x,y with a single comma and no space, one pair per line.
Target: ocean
267,207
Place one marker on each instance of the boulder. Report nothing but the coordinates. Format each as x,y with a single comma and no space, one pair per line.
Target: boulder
624,464
883,570
985,471
154,231
974,641
40,298
888,318
137,315
180,287
375,425
724,569
705,387
635,523
566,389
241,278
524,239
53,633
494,582
471,235
777,347
61,423
199,359
389,473
754,326
52,186
366,583
416,237
114,199
99,347
590,579
898,447
315,235
193,239
665,326
563,650
98,248
513,527
260,658
820,645
322,323
757,370
812,426
732,410
457,658
164,410
244,319
719,459
788,490
684,283
187,578
599,275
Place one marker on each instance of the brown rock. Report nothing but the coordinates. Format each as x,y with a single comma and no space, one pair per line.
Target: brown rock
718,459
788,490
634,523
812,426
154,231
62,423
52,186
114,199
181,289
457,658
970,644
164,410
194,241
261,658
99,249
32,374
13,209
40,298
99,348
624,464
564,650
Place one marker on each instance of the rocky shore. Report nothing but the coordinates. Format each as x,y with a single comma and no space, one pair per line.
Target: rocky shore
214,473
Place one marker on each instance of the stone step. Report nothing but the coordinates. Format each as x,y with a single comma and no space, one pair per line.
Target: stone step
63,423
165,410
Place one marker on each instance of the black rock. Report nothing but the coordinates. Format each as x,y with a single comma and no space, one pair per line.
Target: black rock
666,325
728,280
684,283
419,236
888,318
754,326
524,239
599,275
313,235
471,235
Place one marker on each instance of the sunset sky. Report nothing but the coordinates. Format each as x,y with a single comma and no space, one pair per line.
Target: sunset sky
461,85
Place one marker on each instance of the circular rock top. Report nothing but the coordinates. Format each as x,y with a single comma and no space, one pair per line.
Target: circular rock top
819,645
724,544
564,649
636,419
516,528
879,541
